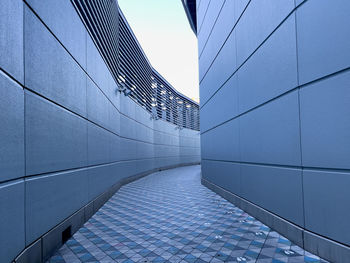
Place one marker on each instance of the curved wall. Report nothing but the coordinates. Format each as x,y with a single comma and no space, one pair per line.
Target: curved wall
274,87
67,136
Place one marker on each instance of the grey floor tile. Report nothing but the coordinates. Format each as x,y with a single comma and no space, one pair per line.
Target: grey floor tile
170,217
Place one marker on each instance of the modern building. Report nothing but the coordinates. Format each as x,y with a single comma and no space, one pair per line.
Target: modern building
274,110
82,111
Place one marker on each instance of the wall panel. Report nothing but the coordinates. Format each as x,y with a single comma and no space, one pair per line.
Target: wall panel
44,210
326,205
11,38
50,70
274,67
56,139
270,134
276,189
12,238
12,129
325,122
274,85
323,38
65,24
68,137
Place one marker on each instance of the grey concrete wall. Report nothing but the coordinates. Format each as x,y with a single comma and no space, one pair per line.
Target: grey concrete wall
66,134
275,107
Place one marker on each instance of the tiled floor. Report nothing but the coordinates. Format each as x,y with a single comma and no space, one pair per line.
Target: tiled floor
170,217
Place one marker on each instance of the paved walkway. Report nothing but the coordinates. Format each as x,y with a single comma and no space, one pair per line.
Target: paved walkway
170,217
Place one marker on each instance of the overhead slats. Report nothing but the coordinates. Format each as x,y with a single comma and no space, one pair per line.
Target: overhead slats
129,65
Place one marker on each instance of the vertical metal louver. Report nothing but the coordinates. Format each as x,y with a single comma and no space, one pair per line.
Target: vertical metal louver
101,20
130,67
172,105
134,69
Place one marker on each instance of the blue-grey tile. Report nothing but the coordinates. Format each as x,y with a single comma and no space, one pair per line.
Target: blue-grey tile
168,210
63,20
127,149
299,2
97,105
114,148
222,107
11,38
101,178
127,168
127,127
44,210
224,174
274,67
114,119
144,166
206,27
31,253
270,133
100,74
326,198
201,12
128,106
50,70
276,189
240,7
220,32
141,132
323,38
12,129
52,240
144,150
222,143
55,138
11,220
222,68
98,145
325,122
258,21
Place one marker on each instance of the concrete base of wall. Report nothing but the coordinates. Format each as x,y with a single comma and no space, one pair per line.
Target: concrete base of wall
44,247
316,244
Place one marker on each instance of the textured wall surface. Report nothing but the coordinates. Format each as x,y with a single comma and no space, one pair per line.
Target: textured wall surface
275,107
66,135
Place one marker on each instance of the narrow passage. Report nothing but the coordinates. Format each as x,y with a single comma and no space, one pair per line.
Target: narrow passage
170,217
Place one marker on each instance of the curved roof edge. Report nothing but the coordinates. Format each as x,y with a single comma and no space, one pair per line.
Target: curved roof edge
190,9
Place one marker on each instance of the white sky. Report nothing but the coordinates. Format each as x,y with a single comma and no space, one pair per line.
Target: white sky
165,35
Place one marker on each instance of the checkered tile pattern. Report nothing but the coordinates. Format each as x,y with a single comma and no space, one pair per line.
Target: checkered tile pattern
170,217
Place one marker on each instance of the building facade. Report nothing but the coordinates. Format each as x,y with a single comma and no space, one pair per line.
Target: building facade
275,107
82,111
